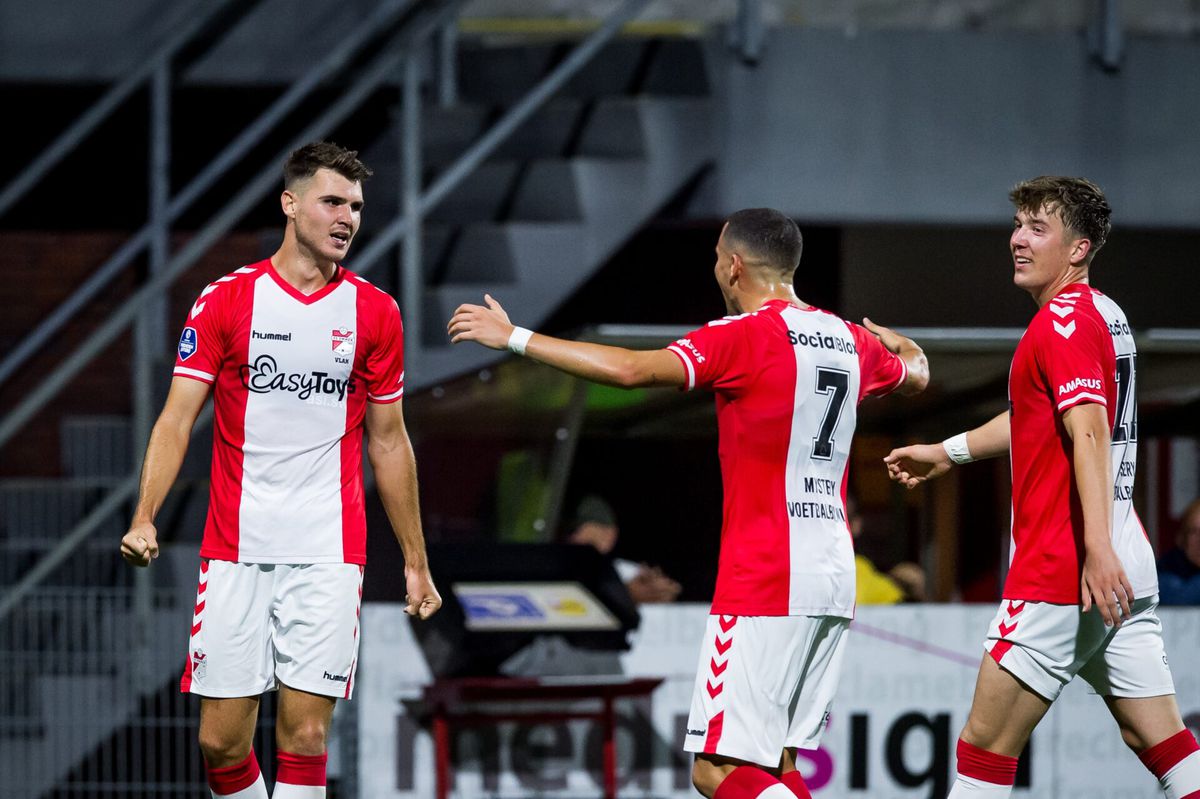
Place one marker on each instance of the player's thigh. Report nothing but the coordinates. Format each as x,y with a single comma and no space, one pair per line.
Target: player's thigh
229,651
817,682
1132,663
227,729
1145,721
745,682
316,627
302,721
1004,711
1131,672
1043,645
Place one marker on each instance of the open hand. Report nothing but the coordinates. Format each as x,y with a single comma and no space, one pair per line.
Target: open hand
1105,585
487,325
889,338
910,466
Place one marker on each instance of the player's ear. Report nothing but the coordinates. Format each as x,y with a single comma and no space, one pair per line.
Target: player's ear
737,267
287,201
1079,252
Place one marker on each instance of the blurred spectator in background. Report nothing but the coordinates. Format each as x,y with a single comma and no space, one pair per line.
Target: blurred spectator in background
595,524
904,582
1179,569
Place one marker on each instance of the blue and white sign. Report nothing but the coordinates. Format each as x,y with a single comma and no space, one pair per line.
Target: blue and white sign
189,342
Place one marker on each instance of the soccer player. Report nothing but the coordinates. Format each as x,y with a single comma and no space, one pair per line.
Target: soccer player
788,379
1081,591
299,354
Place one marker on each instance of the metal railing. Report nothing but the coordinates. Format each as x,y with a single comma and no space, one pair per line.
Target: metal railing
387,64
78,721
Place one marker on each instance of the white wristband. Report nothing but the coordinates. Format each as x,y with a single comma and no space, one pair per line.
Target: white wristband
956,448
519,338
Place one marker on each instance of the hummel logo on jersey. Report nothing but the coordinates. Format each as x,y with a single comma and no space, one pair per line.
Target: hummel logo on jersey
270,336
1080,382
1065,330
336,677
263,376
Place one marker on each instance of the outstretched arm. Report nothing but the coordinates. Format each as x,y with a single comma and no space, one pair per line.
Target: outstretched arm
612,366
391,456
164,455
910,466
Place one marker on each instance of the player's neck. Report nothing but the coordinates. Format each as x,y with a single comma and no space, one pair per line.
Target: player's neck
303,272
1052,290
779,291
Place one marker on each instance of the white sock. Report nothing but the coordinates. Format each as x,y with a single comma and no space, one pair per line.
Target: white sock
257,790
971,788
1184,779
285,791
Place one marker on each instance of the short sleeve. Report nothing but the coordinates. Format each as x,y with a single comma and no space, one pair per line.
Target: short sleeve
882,371
203,341
712,355
1071,356
384,366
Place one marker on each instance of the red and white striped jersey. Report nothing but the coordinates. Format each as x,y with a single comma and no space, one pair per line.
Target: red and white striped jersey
292,374
1077,349
788,382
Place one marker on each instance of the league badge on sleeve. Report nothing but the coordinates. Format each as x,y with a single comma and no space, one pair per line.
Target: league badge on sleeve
189,342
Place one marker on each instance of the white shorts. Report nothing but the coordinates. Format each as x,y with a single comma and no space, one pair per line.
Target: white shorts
1045,646
258,623
764,683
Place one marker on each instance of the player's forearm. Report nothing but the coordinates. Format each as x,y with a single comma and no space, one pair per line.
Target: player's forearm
918,367
164,457
1093,481
598,363
991,439
395,468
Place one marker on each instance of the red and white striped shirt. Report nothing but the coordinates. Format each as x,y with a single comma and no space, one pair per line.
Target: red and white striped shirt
292,374
788,382
1078,349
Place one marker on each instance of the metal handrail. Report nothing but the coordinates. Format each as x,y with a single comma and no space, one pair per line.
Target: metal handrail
498,133
386,16
69,139
385,64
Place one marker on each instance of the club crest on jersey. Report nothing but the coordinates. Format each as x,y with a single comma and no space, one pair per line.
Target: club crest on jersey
343,342
189,342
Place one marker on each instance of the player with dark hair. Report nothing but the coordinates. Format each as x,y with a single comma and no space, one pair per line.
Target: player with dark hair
300,355
1081,591
788,379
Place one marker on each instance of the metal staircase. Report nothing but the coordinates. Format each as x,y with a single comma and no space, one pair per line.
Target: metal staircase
534,222
544,165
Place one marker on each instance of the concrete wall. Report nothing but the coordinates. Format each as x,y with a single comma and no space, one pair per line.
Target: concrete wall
912,126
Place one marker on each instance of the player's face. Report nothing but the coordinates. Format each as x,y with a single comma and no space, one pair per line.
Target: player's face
722,269
326,210
1042,250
